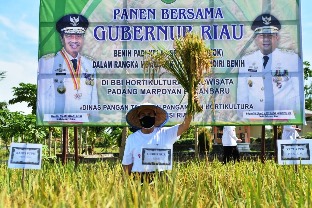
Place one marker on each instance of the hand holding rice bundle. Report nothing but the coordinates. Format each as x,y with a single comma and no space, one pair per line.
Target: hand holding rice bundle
188,63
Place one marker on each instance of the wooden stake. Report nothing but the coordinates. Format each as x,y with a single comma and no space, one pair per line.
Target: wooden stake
65,145
76,146
263,144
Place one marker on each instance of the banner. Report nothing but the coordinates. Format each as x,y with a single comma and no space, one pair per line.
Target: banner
91,55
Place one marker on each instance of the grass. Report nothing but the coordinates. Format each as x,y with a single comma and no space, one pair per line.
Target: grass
189,184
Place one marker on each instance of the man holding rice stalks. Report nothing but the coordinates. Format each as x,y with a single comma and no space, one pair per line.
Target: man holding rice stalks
149,149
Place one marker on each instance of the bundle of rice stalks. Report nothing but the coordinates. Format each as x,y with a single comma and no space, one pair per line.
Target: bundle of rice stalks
188,63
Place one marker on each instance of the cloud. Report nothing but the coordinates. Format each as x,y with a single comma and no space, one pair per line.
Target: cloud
3,35
18,57
20,28
15,74
5,21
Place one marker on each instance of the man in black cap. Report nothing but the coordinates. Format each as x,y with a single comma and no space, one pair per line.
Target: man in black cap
270,74
149,149
67,79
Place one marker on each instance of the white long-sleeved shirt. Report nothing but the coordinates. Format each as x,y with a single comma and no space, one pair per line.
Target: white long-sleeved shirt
289,132
229,137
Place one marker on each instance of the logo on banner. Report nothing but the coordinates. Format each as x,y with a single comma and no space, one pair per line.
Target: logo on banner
168,1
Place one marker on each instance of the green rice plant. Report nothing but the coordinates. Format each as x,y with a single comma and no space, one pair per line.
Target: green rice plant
195,183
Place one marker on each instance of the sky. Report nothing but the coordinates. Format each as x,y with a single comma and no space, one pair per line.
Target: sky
19,24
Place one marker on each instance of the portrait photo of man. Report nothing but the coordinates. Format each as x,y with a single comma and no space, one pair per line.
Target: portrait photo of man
270,79
67,79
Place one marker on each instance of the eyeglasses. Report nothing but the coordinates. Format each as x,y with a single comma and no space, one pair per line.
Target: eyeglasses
265,35
71,36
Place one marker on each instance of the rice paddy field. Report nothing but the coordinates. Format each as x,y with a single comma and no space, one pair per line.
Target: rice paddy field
189,184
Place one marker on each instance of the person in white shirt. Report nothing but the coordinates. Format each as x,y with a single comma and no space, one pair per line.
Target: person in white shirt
67,79
149,150
290,132
270,73
229,142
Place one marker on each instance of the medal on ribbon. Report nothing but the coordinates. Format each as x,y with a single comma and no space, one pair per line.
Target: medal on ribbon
75,74
77,95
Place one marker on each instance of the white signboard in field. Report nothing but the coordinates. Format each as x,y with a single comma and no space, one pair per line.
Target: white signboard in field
25,155
294,151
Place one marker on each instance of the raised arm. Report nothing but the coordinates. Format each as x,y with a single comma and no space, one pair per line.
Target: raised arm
185,125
